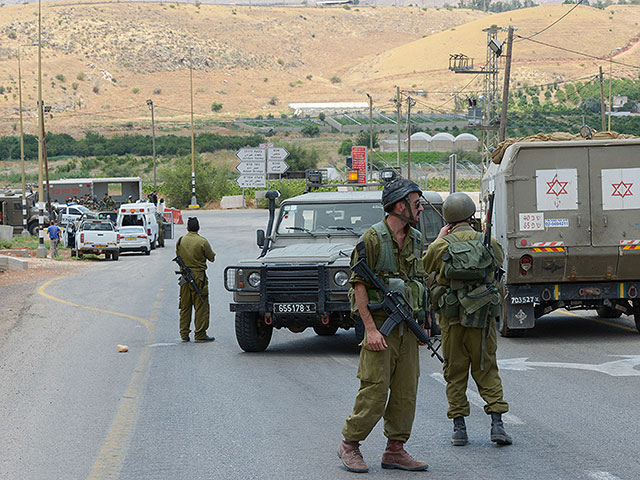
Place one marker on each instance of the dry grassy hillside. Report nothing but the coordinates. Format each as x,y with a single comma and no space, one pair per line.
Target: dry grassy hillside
102,61
597,32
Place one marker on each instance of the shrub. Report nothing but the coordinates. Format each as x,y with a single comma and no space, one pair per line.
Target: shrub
335,79
60,77
273,100
135,90
216,107
96,89
311,131
80,76
74,85
345,147
157,91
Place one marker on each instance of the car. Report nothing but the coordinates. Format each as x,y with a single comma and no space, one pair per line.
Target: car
142,214
70,213
97,237
134,239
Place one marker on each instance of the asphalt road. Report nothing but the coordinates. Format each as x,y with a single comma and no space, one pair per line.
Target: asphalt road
73,408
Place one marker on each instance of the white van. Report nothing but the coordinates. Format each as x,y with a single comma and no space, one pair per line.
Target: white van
139,214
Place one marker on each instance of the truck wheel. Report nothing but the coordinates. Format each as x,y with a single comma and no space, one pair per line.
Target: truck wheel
325,330
78,254
33,228
115,256
605,311
107,256
359,329
636,317
252,334
153,245
147,251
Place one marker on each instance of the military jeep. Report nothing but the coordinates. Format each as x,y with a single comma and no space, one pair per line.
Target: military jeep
301,278
11,211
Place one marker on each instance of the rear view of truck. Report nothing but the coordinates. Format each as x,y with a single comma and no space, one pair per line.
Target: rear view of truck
567,214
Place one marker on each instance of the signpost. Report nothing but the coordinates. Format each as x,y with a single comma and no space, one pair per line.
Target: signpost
257,163
359,162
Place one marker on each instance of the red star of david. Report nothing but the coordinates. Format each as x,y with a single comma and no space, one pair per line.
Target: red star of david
619,187
557,188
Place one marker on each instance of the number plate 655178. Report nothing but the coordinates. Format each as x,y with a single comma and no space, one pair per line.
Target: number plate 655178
294,307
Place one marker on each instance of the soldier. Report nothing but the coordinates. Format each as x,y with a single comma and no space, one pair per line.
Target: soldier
195,251
392,249
467,319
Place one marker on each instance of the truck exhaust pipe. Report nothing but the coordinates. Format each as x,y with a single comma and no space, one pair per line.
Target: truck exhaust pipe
271,195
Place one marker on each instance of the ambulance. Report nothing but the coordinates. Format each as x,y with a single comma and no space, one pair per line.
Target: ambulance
139,214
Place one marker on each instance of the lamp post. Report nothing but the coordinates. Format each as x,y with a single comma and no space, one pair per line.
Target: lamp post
41,252
153,141
610,80
194,202
370,135
24,186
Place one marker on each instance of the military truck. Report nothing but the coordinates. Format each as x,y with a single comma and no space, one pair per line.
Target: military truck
11,211
301,279
567,214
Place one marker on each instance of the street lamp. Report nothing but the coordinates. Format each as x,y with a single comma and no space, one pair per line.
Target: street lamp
153,141
194,202
24,187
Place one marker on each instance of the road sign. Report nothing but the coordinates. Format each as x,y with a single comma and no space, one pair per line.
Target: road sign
359,162
252,181
251,167
278,153
277,166
251,154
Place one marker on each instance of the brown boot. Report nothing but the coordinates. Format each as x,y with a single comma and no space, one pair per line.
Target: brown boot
395,456
351,457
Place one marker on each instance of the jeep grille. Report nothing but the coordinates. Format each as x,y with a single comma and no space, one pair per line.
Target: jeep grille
301,284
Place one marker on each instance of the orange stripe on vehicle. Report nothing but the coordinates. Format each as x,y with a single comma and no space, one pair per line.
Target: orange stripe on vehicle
548,249
631,247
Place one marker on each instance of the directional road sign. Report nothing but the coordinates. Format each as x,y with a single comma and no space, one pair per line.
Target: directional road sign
276,166
251,167
278,153
252,181
251,154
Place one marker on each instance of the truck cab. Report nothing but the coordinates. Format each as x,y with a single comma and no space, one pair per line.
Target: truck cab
11,211
301,279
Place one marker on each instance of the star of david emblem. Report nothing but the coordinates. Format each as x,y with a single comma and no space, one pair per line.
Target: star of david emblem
622,189
556,187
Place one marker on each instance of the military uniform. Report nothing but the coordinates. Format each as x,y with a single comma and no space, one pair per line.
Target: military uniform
462,347
194,251
395,369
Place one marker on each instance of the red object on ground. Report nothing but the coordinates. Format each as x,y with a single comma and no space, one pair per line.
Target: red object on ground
177,215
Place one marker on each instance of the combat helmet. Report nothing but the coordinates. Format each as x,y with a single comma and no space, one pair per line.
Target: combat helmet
458,207
397,190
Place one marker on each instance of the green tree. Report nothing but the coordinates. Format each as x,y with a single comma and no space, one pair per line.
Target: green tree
310,130
363,139
345,147
301,158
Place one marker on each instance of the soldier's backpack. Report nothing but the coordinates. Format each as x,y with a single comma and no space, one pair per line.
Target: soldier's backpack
472,295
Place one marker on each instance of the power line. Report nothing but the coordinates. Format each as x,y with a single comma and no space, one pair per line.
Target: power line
553,23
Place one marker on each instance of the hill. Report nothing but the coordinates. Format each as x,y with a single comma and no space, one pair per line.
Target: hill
102,61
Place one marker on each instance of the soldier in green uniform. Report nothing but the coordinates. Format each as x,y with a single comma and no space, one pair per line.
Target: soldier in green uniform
466,313
389,366
195,251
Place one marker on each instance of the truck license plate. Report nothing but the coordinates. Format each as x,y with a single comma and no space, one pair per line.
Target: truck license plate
100,246
294,307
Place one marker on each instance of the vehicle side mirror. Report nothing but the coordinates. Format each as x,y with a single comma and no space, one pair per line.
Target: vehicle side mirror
260,238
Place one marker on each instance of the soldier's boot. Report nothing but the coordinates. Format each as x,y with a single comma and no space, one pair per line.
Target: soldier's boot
498,435
459,437
395,456
351,457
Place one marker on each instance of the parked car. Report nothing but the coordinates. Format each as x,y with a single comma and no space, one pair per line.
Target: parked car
139,214
98,237
70,213
134,239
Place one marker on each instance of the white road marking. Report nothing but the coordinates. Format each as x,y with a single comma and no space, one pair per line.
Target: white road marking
602,476
475,399
162,344
618,368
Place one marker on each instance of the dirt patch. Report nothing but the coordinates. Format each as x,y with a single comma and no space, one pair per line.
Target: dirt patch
18,286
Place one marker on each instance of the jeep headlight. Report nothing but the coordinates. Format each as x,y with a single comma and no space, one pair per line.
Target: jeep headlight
341,278
254,279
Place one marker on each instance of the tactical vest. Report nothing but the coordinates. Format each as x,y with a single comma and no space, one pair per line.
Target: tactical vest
386,270
472,295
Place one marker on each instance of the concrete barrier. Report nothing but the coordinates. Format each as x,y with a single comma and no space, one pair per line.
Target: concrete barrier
10,263
231,201
6,232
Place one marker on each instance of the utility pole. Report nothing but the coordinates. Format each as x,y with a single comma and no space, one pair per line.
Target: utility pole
610,80
41,252
194,202
505,92
398,121
602,114
410,103
370,135
153,141
46,162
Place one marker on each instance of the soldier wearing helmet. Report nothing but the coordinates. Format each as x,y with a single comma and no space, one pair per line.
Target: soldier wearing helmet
389,366
466,311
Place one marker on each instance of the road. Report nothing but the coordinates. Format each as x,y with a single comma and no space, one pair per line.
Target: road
74,408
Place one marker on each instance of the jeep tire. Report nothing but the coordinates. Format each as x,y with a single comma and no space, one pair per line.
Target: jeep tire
252,334
604,311
325,330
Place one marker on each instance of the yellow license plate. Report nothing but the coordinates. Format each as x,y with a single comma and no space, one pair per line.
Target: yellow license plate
100,246
130,238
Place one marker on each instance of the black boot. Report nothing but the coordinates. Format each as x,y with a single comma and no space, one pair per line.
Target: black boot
498,435
459,437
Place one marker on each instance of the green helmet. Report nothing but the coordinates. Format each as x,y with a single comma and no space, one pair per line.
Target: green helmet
458,207
397,190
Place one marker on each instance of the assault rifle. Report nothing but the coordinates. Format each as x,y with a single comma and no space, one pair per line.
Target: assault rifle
487,234
187,277
397,307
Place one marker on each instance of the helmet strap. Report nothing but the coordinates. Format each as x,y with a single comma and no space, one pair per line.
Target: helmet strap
410,220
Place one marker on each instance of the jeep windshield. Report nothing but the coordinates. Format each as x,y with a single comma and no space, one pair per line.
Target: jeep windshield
351,219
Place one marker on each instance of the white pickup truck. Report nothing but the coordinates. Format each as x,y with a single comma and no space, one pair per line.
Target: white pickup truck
97,237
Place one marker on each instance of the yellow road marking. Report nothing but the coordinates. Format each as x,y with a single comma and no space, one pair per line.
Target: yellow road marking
111,454
41,291
597,320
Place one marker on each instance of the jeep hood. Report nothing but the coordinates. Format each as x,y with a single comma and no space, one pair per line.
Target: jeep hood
309,253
